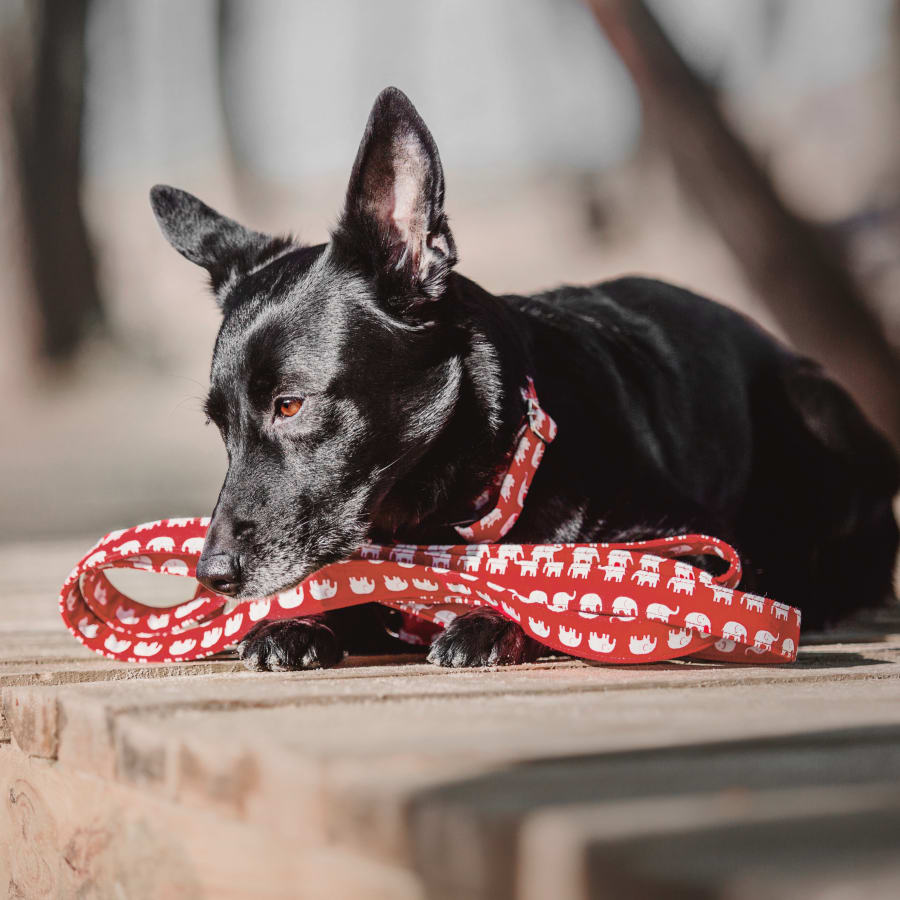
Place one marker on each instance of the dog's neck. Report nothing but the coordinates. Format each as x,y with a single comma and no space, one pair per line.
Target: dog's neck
442,488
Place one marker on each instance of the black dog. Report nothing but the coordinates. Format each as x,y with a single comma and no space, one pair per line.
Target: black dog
364,389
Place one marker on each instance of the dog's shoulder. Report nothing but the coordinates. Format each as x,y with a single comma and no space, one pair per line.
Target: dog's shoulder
642,313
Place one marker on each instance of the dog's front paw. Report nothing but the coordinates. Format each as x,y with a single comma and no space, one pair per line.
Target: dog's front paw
482,637
286,645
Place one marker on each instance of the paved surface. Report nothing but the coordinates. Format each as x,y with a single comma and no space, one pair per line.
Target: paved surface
389,778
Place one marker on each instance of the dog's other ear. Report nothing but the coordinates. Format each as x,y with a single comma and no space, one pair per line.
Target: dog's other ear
394,213
222,246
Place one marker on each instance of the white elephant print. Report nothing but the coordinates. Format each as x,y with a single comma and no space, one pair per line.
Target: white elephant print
233,623
680,549
545,552
148,526
161,544
506,527
259,609
581,555
187,608
510,551
488,598
579,569
763,639
440,555
157,622
553,568
88,629
640,646
735,631
753,602
569,637
193,545
661,612
210,637
561,601
780,610
422,585
497,565
114,645
624,606
128,548
522,450
645,577
527,567
682,585
538,627
590,604
364,585
391,582
492,518
600,643
324,590
512,613
787,647
95,559
147,648
523,493
291,599
721,594
179,648
698,621
403,553
678,638
619,557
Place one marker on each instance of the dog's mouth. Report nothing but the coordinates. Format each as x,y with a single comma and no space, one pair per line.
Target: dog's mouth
270,577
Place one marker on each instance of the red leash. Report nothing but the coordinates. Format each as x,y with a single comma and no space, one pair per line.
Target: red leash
613,603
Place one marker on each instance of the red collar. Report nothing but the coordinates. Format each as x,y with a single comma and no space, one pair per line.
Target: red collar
512,484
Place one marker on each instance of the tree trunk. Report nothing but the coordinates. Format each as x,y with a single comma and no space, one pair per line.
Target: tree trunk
797,274
46,84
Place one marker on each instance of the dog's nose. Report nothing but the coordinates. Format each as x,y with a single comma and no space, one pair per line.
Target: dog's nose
220,573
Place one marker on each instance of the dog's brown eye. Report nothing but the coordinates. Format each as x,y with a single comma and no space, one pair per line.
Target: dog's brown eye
289,406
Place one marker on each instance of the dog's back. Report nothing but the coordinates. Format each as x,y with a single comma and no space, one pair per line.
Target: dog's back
714,425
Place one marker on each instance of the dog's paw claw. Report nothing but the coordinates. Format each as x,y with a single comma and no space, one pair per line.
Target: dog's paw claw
287,645
482,637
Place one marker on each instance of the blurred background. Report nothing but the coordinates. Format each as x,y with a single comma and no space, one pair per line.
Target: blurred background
747,149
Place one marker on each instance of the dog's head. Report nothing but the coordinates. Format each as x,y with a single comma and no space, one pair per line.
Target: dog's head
335,367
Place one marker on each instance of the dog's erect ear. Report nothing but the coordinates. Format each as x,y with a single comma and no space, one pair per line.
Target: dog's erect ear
394,211
222,246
